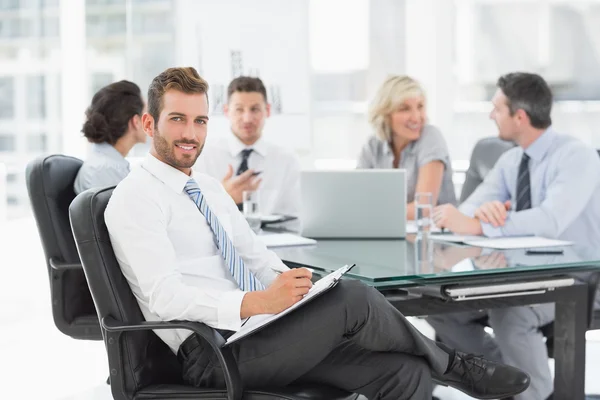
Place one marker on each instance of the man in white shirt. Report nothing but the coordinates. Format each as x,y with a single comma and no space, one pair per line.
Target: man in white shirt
189,254
236,157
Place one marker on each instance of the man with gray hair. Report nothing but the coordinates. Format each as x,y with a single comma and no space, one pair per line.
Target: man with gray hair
549,186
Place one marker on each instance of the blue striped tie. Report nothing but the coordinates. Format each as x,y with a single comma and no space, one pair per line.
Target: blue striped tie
242,275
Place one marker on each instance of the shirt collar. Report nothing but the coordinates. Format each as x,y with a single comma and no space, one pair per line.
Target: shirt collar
109,151
236,146
170,176
538,149
387,147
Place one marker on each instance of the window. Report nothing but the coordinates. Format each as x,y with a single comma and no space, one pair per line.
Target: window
37,143
7,143
9,4
36,97
115,24
487,47
50,3
50,27
7,107
99,80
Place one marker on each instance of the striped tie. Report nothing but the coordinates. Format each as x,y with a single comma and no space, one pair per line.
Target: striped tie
523,185
242,275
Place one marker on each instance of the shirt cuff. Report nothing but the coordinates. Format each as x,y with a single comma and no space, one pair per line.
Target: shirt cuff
228,311
490,231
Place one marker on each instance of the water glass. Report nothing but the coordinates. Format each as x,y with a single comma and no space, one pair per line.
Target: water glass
251,209
423,212
424,254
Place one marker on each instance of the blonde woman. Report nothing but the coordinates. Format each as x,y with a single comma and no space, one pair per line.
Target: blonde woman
403,139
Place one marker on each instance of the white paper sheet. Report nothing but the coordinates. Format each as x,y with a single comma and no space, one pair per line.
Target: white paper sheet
448,237
285,239
517,242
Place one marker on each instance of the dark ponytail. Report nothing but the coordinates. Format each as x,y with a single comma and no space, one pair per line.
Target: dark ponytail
113,106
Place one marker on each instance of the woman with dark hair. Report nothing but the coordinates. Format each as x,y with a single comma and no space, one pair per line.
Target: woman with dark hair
113,125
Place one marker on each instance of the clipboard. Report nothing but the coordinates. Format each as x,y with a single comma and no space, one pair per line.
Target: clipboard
258,322
276,219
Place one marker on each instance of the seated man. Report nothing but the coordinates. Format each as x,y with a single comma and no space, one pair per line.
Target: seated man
549,186
245,152
188,254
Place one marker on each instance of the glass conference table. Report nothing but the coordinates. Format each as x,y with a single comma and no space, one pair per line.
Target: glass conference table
420,277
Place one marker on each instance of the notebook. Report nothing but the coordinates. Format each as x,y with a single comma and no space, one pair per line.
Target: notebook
257,322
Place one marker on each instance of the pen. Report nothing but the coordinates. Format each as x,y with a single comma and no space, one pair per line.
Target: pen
543,252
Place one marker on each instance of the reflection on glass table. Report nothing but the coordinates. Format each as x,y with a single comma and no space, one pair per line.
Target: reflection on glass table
406,261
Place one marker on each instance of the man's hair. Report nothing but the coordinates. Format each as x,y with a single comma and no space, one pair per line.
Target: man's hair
185,79
246,84
530,93
113,106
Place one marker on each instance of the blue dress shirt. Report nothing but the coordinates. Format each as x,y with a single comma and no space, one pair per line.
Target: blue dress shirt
565,191
104,167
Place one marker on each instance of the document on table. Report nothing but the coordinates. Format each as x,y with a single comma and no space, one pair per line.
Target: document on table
511,242
449,237
258,322
285,239
517,242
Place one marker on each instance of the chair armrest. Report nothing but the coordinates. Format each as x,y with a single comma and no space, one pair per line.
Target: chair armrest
63,266
593,288
235,389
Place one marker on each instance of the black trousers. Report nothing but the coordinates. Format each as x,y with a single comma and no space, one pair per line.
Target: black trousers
351,338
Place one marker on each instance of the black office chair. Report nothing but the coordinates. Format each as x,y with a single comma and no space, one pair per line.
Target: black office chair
50,187
483,158
141,365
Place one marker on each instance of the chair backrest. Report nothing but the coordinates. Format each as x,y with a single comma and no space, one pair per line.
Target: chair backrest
148,359
50,186
483,158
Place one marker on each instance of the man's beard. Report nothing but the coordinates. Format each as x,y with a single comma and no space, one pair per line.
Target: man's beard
167,152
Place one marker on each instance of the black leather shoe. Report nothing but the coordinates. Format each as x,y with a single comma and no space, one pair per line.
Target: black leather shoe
483,379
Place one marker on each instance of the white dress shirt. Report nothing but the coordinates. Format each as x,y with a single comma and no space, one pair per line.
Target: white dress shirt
167,251
279,191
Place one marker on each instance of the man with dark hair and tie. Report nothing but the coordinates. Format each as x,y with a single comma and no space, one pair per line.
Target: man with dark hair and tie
244,160
188,254
549,186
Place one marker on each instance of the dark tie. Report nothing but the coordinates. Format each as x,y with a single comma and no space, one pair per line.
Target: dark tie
523,185
244,164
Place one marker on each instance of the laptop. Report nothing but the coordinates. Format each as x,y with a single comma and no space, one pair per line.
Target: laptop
360,204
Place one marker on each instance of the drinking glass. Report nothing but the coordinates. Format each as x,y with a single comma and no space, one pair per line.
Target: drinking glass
423,212
251,209
424,254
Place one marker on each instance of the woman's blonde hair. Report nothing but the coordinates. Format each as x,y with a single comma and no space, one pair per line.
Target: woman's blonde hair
392,93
